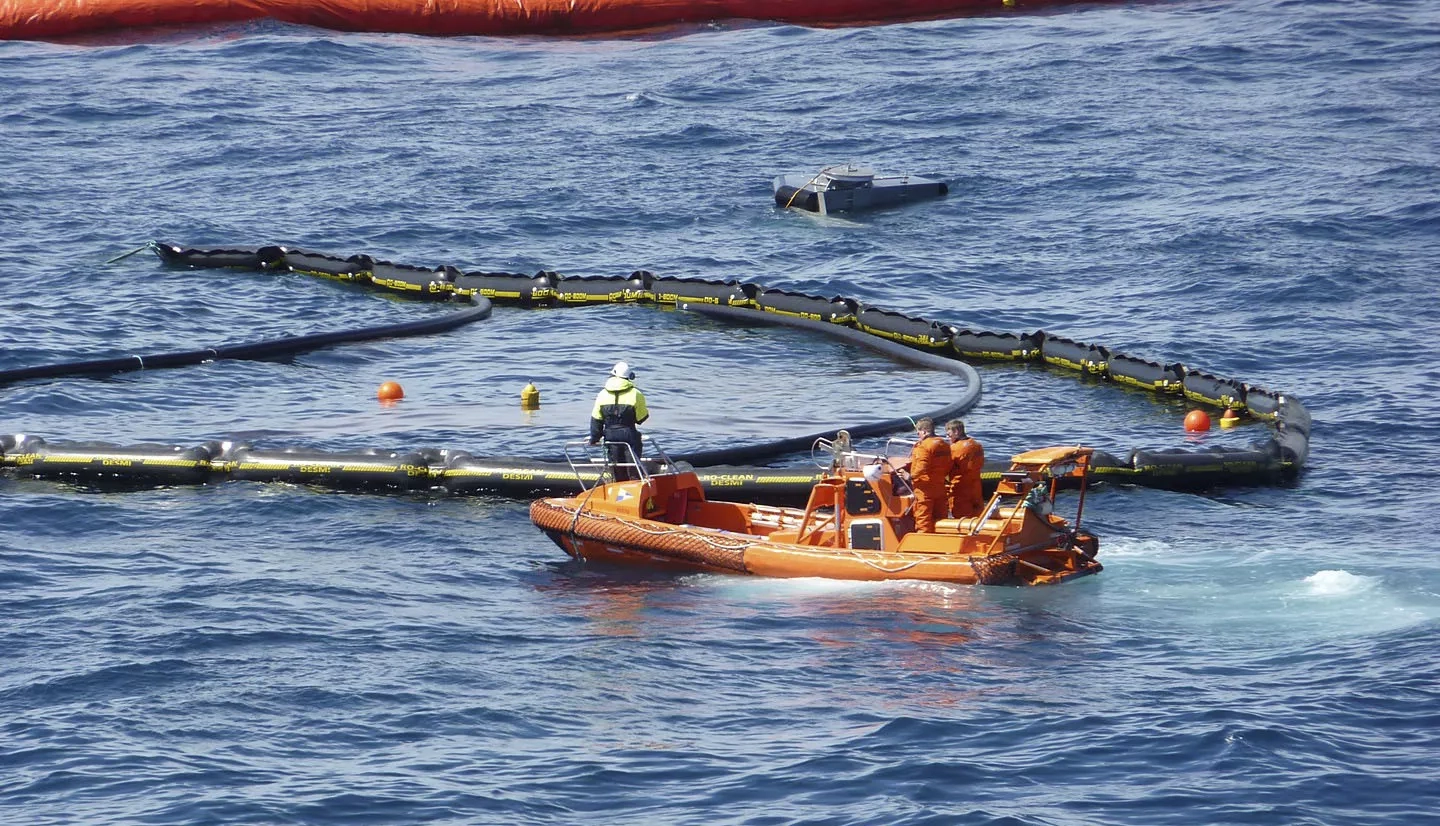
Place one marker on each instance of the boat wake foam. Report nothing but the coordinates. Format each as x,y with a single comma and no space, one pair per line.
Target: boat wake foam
1338,583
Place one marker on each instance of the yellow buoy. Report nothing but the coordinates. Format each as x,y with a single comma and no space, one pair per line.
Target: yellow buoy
530,396
1230,419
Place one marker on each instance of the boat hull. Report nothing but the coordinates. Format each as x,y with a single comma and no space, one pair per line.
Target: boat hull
609,538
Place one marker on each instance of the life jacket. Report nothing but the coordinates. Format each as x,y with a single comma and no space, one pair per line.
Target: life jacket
619,408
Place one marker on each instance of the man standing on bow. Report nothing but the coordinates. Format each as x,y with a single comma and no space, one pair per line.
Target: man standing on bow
619,409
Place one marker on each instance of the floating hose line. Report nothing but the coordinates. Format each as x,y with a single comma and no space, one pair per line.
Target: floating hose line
1277,458
780,447
256,350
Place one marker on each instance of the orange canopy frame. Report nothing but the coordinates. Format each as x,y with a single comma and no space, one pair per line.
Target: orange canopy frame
40,19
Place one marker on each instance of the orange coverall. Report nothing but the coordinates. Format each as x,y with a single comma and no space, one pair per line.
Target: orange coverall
929,468
966,495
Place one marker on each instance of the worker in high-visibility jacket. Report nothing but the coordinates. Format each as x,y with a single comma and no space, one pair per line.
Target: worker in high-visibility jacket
967,496
619,409
929,475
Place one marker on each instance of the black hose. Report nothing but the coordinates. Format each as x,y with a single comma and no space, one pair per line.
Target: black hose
769,450
269,348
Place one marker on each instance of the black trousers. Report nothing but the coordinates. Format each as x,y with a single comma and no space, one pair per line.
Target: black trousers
619,457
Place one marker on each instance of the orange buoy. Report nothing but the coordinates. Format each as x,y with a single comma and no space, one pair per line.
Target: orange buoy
1197,421
390,391
1229,419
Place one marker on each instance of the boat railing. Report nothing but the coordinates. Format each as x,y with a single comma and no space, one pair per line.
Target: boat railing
593,461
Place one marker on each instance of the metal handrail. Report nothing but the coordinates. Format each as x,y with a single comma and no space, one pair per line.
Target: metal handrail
839,456
596,458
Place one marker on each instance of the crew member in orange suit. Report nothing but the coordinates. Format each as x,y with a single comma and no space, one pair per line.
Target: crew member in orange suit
967,461
929,471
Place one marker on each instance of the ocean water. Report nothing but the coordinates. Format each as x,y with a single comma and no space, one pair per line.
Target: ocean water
1247,188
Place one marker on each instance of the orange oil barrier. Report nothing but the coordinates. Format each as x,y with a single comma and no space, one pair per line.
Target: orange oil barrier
38,19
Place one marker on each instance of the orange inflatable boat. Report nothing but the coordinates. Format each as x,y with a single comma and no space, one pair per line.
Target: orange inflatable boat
857,524
36,19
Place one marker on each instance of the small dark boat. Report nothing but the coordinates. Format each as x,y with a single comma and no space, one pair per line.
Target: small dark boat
851,188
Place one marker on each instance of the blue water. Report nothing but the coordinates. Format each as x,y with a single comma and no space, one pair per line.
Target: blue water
1247,188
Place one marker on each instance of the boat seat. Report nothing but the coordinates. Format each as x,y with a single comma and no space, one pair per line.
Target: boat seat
677,506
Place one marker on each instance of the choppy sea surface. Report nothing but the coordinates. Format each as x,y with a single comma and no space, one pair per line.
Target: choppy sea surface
1251,189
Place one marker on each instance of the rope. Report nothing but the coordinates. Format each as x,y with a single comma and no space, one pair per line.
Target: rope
907,566
123,256
807,183
574,538
716,543
703,538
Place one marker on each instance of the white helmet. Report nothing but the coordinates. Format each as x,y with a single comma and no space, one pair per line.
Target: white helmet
621,370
